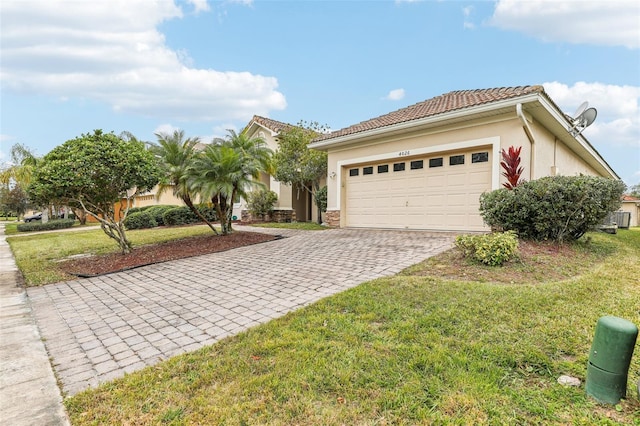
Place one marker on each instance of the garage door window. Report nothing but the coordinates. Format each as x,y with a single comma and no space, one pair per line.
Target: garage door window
480,157
383,168
367,170
398,167
354,172
435,162
418,164
455,160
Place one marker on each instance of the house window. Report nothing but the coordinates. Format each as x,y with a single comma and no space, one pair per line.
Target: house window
454,160
383,168
418,164
480,157
367,170
435,162
354,172
398,167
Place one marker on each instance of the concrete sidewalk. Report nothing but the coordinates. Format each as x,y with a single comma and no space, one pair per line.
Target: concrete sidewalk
29,394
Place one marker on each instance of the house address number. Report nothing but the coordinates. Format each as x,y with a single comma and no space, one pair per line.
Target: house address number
404,153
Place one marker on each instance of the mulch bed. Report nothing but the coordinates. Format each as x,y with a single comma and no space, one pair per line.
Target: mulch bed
162,252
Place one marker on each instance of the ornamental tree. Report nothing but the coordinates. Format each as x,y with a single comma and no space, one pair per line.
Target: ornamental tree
100,173
177,156
226,170
299,166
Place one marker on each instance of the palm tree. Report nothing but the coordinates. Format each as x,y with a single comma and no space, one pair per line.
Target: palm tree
227,169
23,164
176,156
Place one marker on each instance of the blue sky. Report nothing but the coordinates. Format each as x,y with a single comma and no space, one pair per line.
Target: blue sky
144,66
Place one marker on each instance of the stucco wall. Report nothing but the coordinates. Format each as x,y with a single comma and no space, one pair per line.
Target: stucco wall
550,152
632,207
506,130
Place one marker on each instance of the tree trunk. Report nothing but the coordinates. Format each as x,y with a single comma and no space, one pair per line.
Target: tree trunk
230,212
113,229
221,212
316,188
116,231
194,209
80,215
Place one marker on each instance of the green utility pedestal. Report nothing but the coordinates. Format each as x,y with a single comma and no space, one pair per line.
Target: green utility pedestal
610,358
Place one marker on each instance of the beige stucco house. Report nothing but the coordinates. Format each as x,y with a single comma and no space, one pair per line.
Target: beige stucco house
425,166
293,203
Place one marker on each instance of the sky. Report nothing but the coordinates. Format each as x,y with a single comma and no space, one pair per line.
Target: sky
68,67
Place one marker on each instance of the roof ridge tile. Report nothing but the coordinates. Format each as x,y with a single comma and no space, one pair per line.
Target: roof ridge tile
450,101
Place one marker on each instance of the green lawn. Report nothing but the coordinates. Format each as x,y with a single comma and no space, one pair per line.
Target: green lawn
38,255
417,348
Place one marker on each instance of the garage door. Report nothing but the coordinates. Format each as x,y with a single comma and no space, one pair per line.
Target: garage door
438,192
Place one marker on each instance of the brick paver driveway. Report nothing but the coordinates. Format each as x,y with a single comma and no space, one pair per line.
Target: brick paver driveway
99,328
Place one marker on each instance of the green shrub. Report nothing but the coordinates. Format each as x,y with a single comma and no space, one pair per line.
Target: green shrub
490,249
158,213
261,202
208,212
184,216
559,208
140,220
179,216
135,210
50,225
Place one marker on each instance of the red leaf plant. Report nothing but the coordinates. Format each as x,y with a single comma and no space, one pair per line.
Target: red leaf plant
511,165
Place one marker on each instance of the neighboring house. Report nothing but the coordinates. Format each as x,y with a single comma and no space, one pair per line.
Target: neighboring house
293,203
632,206
426,165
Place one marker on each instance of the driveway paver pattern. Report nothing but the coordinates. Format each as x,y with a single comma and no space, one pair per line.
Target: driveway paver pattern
98,329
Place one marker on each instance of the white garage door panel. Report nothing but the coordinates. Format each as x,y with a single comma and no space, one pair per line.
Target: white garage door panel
439,198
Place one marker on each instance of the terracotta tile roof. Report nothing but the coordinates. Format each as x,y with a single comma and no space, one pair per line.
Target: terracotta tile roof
273,125
629,198
440,104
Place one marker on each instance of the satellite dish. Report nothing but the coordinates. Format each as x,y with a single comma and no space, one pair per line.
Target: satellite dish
584,118
581,109
589,116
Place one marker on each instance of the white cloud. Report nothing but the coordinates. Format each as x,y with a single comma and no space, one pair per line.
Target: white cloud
466,12
221,131
618,120
111,51
200,5
395,95
602,22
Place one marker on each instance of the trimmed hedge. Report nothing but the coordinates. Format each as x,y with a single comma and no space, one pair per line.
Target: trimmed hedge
560,208
140,220
184,216
50,225
179,216
158,212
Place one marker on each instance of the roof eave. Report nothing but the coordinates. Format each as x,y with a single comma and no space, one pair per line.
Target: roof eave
421,122
254,123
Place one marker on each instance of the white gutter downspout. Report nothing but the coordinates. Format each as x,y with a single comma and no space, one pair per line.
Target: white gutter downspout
527,130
